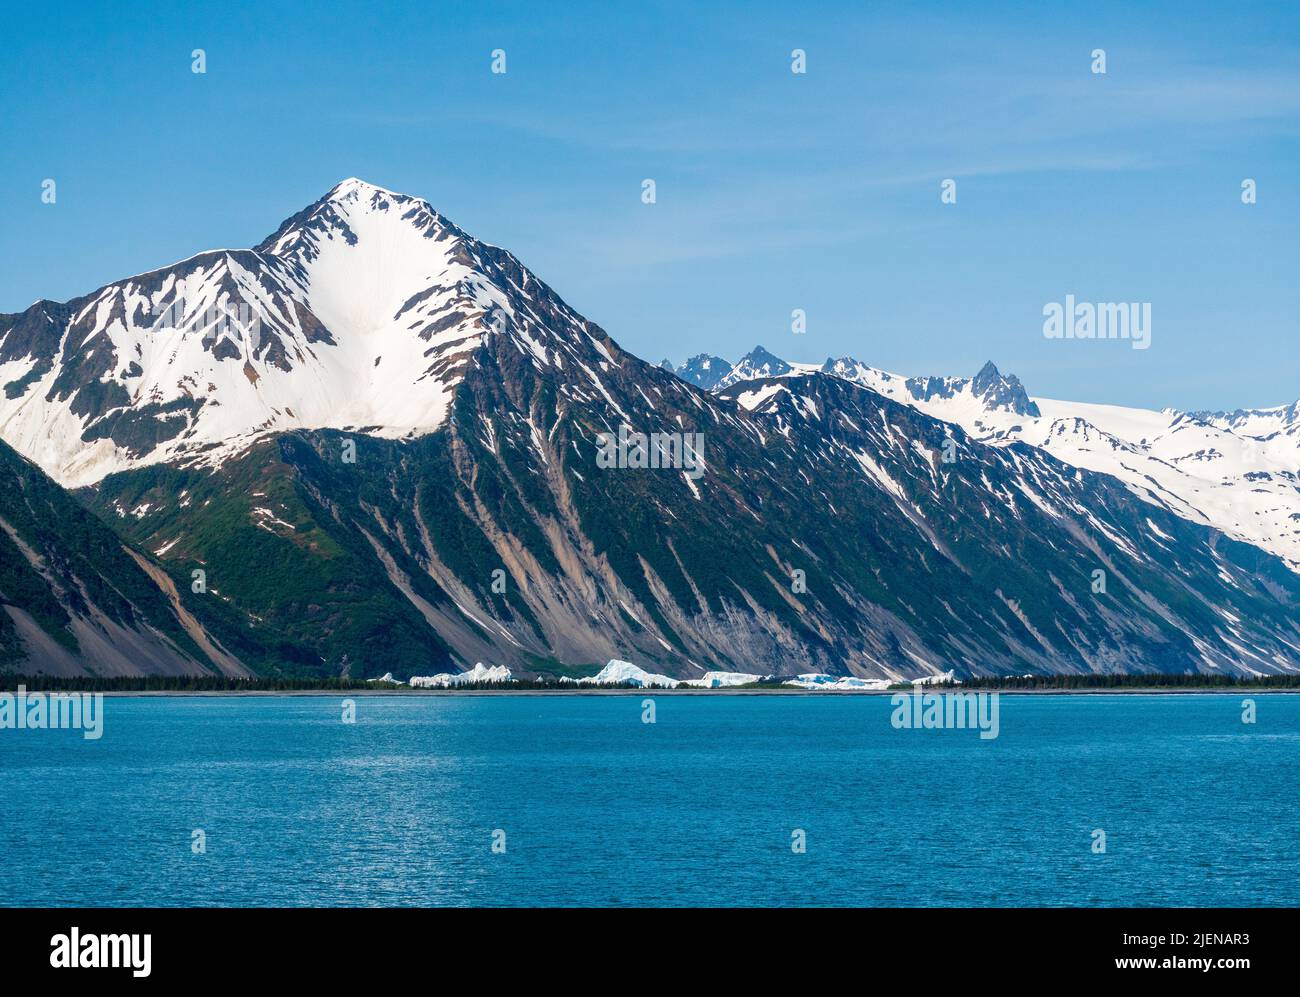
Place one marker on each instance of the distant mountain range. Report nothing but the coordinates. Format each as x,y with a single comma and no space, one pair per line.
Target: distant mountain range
374,444
1238,472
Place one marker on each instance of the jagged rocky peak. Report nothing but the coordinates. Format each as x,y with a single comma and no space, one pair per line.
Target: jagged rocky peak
704,370
757,363
833,366
994,390
999,391
764,364
851,369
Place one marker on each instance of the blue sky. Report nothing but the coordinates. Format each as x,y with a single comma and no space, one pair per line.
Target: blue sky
775,191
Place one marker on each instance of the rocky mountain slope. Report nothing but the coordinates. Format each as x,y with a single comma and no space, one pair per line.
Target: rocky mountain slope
1236,472
405,453
74,600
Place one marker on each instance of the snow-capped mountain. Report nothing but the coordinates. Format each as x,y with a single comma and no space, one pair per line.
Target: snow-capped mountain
361,311
1043,522
702,370
756,363
1238,472
988,391
382,442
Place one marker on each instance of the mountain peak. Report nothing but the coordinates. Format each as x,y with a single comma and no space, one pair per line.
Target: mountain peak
999,391
760,355
355,210
363,309
352,183
704,370
356,191
757,363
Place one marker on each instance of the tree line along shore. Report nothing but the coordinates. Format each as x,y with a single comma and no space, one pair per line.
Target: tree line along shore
1008,683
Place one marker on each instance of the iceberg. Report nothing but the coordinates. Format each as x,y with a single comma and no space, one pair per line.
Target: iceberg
722,680
625,673
822,681
446,680
947,676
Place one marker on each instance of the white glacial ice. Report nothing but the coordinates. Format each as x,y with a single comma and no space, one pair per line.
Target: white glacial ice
446,680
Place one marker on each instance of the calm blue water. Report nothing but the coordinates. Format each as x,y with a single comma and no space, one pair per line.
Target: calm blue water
599,808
